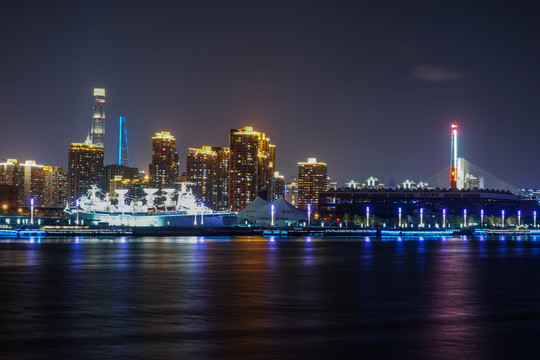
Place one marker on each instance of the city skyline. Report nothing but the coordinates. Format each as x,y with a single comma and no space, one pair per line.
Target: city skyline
321,81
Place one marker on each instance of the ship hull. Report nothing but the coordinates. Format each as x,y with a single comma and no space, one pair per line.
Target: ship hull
154,219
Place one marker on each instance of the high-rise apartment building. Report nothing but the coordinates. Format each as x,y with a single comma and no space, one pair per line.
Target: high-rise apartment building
277,186
201,170
164,169
222,180
46,186
251,166
9,172
85,168
55,186
312,180
32,183
98,118
208,169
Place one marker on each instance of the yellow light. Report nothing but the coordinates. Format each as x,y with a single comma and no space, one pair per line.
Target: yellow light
164,135
4,206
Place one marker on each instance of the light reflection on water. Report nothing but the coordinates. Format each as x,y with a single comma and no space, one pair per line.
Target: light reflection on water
255,297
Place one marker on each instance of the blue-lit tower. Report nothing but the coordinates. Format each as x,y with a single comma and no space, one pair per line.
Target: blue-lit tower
123,150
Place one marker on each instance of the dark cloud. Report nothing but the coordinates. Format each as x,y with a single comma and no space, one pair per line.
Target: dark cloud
435,74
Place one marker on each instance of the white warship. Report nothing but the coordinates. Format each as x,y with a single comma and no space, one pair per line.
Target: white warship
97,208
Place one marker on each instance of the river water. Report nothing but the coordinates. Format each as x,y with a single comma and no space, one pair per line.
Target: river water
261,298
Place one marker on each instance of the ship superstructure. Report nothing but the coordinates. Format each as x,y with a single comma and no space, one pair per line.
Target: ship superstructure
173,208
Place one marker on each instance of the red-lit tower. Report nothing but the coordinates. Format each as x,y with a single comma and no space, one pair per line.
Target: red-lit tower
453,160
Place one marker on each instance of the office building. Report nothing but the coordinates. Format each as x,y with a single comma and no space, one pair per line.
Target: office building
251,166
164,168
312,180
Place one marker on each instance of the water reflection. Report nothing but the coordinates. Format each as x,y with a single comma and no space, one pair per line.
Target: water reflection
254,297
453,303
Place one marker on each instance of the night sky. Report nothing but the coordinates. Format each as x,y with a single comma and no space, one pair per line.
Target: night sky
370,88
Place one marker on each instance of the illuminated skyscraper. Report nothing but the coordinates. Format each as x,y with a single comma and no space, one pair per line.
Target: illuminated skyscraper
10,172
277,186
222,188
48,187
98,118
312,180
201,170
32,183
208,169
251,166
453,159
123,150
55,187
85,168
164,169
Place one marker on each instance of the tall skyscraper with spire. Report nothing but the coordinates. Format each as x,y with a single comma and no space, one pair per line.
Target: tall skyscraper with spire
98,118
123,150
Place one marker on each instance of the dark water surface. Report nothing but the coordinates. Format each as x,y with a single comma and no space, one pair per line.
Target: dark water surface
254,298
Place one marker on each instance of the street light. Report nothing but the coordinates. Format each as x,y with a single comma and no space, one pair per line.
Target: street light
482,218
519,217
367,216
444,218
534,217
32,211
422,217
502,218
77,204
309,215
464,218
272,210
399,217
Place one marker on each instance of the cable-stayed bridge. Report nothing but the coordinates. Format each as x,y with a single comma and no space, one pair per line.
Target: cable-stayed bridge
471,176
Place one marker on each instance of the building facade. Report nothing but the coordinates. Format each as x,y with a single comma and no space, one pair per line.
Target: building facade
45,184
385,204
113,171
291,193
312,180
56,187
32,183
164,168
251,166
207,168
85,168
201,170
277,186
97,132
